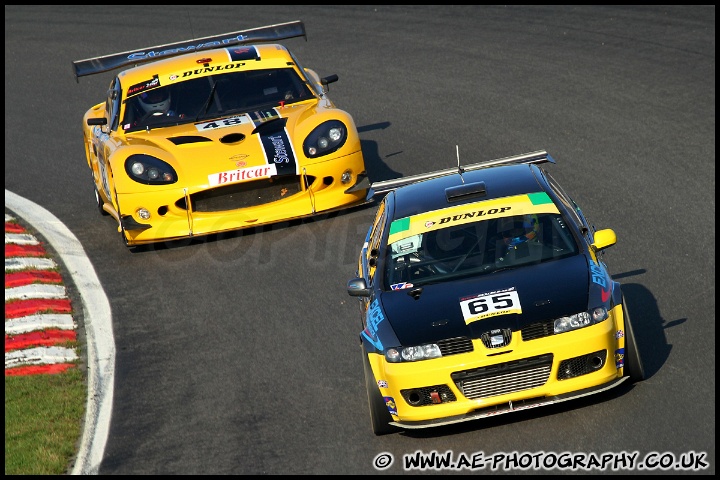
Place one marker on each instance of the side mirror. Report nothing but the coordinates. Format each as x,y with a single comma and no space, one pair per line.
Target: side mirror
325,81
603,239
97,121
357,287
329,79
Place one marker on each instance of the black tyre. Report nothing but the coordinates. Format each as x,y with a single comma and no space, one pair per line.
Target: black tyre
633,363
99,202
380,417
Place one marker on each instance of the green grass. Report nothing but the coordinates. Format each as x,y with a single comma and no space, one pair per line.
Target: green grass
43,422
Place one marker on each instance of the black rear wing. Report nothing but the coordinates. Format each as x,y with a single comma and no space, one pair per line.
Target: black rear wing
270,33
378,188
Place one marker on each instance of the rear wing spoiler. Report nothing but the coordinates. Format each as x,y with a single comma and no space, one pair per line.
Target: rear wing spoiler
378,188
270,33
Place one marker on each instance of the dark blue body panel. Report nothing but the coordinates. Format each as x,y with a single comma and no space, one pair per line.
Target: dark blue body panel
436,314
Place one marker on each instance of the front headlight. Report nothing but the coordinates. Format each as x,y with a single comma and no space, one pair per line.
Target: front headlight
325,139
149,170
413,354
580,320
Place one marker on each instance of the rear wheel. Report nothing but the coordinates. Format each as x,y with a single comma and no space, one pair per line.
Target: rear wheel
380,417
633,363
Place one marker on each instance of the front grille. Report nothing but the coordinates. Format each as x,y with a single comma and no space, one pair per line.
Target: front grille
419,397
582,365
503,378
453,346
538,330
245,194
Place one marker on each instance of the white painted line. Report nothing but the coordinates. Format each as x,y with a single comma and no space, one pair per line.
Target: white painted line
40,356
21,239
35,290
30,323
24,263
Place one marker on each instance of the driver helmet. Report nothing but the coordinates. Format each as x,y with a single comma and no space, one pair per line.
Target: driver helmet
155,101
521,230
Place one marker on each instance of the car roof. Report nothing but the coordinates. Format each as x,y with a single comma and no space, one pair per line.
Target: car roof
500,181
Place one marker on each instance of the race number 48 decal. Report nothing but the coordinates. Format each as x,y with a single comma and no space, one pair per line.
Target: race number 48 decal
490,304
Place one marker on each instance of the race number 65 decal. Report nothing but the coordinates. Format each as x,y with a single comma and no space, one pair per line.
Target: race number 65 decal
484,305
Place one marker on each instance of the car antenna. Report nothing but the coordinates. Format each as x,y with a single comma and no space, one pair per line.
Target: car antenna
460,169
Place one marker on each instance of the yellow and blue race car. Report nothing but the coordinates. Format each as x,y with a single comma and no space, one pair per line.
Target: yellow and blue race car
218,134
483,291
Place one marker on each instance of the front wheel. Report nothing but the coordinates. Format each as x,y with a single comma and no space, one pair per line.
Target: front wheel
380,417
99,202
633,363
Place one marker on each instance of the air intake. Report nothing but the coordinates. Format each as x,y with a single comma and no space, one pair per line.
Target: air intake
460,192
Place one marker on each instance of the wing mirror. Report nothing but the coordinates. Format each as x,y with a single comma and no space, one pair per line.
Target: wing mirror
357,287
603,239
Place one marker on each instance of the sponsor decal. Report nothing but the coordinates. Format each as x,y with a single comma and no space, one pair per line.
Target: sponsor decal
470,215
401,286
382,384
141,87
214,69
241,175
190,48
620,358
472,212
490,304
599,277
390,403
619,334
277,145
374,317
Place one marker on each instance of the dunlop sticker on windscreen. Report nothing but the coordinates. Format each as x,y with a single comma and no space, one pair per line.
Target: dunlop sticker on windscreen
530,203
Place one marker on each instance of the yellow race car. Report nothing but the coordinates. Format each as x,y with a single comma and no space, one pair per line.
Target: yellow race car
218,134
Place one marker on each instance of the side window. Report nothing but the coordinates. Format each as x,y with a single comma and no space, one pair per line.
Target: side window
112,104
373,249
572,207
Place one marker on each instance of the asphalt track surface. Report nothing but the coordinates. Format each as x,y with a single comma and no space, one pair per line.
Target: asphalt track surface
238,353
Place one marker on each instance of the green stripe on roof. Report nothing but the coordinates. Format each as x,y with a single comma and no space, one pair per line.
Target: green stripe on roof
400,225
539,198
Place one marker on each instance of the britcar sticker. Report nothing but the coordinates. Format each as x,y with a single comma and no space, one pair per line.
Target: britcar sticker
142,86
490,304
241,175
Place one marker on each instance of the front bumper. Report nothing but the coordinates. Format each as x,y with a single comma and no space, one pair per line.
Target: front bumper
183,212
484,383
